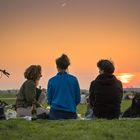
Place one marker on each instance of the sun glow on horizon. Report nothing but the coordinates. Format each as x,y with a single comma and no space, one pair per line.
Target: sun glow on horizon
125,77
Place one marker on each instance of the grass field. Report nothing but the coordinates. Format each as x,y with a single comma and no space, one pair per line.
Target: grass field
71,130
9,101
7,95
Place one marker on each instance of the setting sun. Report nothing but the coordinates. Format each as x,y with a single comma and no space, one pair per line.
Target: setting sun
86,30
125,77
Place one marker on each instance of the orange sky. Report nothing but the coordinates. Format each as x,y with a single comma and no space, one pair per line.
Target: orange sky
38,32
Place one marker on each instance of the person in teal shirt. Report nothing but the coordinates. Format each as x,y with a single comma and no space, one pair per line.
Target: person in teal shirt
63,92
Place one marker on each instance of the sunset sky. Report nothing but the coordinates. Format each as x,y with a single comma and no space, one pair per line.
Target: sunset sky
38,31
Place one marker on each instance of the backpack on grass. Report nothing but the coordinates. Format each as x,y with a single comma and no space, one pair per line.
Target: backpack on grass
2,106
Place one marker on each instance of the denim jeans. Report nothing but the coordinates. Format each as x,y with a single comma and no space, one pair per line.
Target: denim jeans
59,115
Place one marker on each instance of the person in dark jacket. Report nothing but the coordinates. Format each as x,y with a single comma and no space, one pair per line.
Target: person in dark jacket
134,110
63,92
106,92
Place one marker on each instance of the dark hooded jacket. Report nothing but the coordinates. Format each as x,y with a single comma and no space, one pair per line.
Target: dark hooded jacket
105,96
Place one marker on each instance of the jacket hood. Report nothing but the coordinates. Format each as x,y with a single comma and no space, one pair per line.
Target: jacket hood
106,79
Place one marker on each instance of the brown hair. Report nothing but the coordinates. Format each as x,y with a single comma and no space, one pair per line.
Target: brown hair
33,72
106,65
63,62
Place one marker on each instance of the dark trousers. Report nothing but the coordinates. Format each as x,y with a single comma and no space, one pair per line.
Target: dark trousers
59,115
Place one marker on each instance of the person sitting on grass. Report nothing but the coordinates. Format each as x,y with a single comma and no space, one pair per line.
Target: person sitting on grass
63,92
134,110
106,92
29,93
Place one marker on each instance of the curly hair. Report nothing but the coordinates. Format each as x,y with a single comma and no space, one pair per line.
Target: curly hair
106,65
33,72
63,62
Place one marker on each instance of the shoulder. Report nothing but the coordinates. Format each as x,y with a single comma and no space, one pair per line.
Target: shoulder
29,83
72,77
54,78
96,79
119,83
93,83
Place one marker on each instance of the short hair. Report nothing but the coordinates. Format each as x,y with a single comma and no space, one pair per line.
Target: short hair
106,65
63,62
33,72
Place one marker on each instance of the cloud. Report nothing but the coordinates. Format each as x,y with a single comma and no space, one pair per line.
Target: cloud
64,4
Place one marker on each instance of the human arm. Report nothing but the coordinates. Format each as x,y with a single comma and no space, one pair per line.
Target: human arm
49,92
30,93
91,94
78,94
121,88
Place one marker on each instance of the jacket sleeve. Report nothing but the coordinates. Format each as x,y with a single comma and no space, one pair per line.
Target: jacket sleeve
121,87
91,94
30,93
78,94
50,93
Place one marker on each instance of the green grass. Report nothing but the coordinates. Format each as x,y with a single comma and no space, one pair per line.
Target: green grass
125,104
2,95
9,101
71,130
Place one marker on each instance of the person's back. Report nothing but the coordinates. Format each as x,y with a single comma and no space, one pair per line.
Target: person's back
63,92
23,98
106,92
